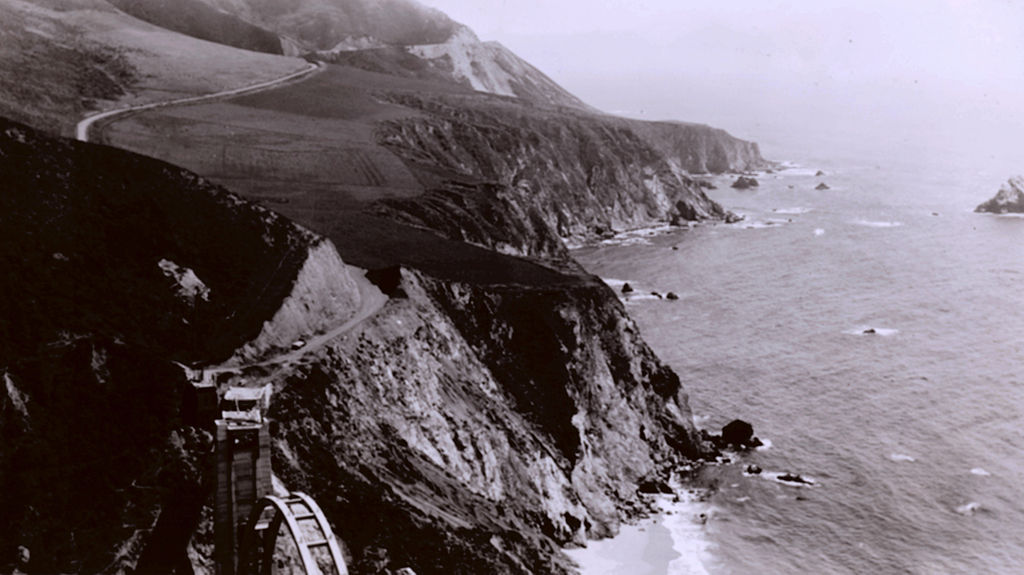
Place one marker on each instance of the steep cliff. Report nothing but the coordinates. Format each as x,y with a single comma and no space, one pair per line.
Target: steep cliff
115,266
1009,199
470,428
702,149
555,173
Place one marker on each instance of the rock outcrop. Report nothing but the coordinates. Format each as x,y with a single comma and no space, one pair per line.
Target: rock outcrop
745,183
1010,198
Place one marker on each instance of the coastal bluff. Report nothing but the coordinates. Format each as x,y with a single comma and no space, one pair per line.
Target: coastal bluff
1009,199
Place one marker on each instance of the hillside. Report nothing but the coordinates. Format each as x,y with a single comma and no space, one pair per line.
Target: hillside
116,266
62,59
500,173
200,20
324,24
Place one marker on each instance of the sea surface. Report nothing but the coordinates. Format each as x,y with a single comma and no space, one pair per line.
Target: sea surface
913,435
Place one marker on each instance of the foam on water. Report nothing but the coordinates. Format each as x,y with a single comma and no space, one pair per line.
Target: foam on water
819,232
969,508
900,457
981,472
763,224
792,211
687,519
798,171
876,224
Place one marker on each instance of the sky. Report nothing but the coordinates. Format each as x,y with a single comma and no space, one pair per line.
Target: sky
942,74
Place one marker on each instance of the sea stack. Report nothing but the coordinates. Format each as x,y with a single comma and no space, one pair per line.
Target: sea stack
745,183
1010,198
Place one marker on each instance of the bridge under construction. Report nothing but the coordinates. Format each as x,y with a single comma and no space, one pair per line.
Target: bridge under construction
249,517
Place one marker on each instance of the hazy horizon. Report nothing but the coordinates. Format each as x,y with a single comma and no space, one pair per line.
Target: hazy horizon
941,76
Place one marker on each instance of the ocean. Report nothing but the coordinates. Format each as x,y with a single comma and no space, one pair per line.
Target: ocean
912,435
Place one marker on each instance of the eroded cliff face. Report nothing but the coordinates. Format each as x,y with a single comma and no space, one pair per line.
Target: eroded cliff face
558,175
322,295
470,428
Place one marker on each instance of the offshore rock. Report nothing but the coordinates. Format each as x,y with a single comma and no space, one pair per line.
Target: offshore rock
737,432
745,183
1010,198
822,186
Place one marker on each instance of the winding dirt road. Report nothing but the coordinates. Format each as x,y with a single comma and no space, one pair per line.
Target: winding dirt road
371,298
83,127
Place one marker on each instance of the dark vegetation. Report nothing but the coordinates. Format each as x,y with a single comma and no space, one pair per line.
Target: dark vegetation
93,443
69,210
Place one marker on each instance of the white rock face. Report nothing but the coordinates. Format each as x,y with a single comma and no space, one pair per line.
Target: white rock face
190,287
492,68
324,294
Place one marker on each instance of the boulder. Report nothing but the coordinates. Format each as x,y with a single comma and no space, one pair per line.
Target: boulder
754,469
671,295
626,288
731,218
822,186
654,487
745,183
1010,199
737,432
869,331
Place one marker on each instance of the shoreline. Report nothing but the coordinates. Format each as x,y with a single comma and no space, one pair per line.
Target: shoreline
672,540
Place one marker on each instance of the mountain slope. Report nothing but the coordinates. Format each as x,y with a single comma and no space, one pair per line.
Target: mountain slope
200,20
62,59
323,24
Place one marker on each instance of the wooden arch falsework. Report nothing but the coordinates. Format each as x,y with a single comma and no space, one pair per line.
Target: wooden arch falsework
317,548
